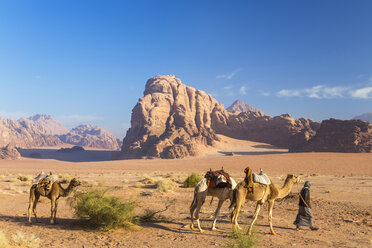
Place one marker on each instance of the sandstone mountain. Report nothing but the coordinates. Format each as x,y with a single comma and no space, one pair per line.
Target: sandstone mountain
25,133
173,120
339,136
240,106
364,117
49,123
90,136
9,152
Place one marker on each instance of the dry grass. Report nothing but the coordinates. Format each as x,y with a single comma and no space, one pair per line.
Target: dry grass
23,178
146,179
4,243
23,240
165,185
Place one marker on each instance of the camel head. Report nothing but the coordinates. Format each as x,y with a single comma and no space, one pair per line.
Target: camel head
74,182
293,178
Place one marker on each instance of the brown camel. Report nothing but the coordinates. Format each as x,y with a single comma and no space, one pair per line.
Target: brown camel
261,193
54,193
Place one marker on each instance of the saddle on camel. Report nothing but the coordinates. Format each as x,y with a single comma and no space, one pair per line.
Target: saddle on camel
218,179
44,182
251,178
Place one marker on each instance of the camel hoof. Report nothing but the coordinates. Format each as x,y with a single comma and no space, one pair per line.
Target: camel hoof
192,227
201,230
213,228
274,233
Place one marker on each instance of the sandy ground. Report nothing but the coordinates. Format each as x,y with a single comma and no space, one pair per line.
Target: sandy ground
342,190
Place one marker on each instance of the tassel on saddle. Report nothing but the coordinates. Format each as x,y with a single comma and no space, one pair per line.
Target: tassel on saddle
248,179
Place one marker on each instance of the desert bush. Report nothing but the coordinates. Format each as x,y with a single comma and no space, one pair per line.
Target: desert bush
23,178
242,240
138,185
23,240
164,185
146,179
102,211
4,243
192,180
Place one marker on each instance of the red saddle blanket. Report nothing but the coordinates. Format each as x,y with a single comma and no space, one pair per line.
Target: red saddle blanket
218,179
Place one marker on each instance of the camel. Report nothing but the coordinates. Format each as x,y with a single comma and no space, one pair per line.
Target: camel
261,193
53,193
201,192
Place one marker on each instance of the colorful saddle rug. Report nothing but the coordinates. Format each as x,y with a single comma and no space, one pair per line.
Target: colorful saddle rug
218,179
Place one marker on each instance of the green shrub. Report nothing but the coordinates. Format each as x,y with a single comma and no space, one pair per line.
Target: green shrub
192,180
242,240
102,211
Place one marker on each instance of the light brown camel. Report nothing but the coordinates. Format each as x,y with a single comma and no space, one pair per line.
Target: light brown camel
55,192
261,193
201,192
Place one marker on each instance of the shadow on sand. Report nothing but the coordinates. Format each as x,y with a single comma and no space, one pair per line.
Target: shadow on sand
73,156
252,153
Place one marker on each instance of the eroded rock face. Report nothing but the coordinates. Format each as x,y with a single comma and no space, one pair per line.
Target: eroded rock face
171,120
9,152
90,136
25,133
50,125
338,136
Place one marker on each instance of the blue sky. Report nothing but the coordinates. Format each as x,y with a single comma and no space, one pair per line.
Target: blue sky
88,61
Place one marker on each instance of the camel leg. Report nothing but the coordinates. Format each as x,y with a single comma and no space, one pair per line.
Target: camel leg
31,203
192,209
55,212
52,209
270,214
258,207
200,203
220,202
37,196
234,215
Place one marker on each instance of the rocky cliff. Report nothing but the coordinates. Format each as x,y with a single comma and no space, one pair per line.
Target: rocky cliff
173,120
50,125
90,136
9,152
338,136
25,133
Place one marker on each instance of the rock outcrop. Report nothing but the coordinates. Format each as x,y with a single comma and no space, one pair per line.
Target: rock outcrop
9,152
171,120
338,136
90,136
240,106
50,125
25,133
256,126
364,117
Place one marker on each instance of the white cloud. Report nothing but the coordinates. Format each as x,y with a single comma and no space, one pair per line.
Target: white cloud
228,75
363,93
265,93
318,91
243,90
77,119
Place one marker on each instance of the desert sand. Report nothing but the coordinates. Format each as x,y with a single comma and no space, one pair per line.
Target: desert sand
341,191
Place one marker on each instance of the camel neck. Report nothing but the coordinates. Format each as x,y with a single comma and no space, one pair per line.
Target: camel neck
286,189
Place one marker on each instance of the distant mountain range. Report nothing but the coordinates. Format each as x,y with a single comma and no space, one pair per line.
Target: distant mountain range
364,117
240,106
43,130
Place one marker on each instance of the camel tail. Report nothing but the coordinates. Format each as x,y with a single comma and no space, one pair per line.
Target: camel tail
233,201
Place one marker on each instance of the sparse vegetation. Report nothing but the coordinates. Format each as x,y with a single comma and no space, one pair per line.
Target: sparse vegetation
241,240
64,178
23,240
103,211
164,185
23,178
4,243
146,179
192,180
138,185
